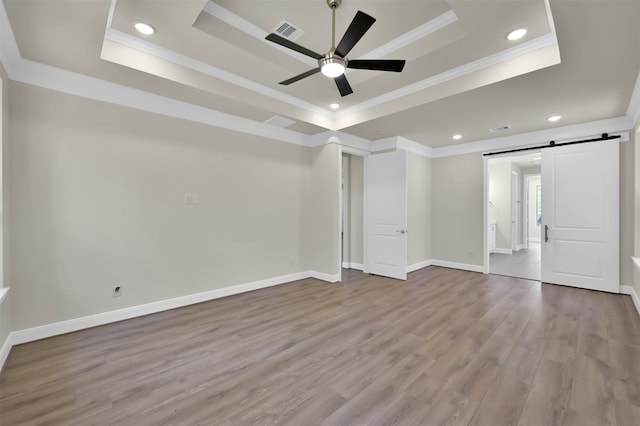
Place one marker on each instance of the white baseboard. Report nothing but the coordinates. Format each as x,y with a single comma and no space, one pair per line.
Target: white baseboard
502,251
4,350
68,326
325,277
351,265
456,265
627,289
520,247
534,240
419,265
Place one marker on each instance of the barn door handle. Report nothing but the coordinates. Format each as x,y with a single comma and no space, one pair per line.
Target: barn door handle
546,233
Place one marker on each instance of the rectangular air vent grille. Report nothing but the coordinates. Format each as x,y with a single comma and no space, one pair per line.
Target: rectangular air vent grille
279,121
500,128
288,30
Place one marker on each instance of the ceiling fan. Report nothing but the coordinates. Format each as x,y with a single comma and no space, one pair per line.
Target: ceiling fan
333,63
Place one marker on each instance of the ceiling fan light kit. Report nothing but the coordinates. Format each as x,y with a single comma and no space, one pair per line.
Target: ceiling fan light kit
334,63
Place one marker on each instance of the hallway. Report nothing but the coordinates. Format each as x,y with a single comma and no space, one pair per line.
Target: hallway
522,264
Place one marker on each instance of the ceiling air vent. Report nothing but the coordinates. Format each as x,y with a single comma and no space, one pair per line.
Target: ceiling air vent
279,121
288,30
500,129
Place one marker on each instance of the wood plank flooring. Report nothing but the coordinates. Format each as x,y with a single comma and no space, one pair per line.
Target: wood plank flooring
447,347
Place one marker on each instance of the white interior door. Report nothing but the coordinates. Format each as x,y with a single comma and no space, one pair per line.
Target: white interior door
580,219
385,207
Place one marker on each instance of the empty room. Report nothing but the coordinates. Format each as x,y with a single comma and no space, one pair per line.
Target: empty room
320,212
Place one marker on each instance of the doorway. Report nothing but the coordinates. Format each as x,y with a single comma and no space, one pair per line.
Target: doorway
579,213
352,211
513,250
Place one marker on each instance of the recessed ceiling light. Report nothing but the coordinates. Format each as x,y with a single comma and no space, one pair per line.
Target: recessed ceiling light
456,137
554,118
517,34
143,28
334,106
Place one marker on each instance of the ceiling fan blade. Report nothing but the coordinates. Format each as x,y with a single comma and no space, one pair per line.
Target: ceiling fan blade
275,38
377,64
301,76
358,27
343,85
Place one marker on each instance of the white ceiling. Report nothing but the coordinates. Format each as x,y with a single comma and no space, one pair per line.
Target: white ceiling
579,60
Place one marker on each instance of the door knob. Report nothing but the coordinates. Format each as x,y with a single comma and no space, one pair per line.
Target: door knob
402,231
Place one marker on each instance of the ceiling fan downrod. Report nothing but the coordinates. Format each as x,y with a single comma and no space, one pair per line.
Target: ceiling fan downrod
333,4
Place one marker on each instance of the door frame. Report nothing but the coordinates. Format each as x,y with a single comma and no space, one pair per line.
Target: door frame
359,153
485,203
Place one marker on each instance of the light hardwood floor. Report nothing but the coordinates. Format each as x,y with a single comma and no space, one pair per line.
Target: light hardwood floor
446,347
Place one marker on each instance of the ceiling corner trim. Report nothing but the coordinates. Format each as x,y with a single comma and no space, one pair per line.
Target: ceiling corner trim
9,52
135,43
575,131
633,111
413,35
468,68
64,81
219,12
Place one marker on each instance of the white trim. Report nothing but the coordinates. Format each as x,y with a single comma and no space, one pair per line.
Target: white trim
534,239
456,265
351,265
64,81
9,52
633,110
340,212
520,247
419,265
5,349
502,251
419,32
41,75
619,125
68,326
325,277
3,293
636,261
627,289
254,31
62,327
466,69
144,46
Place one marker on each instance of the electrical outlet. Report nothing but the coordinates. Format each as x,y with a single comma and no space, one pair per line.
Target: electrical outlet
117,291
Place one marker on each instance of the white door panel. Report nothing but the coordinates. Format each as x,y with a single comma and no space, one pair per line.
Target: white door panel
580,218
385,245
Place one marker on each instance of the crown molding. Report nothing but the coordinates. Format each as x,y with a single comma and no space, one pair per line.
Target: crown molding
48,77
633,111
154,50
72,83
238,22
463,70
576,131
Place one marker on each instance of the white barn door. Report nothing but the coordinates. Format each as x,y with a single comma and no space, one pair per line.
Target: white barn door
385,214
580,218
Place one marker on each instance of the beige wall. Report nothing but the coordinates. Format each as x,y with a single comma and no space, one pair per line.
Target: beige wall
321,239
419,209
457,205
98,199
